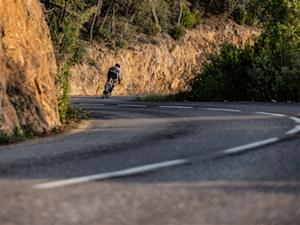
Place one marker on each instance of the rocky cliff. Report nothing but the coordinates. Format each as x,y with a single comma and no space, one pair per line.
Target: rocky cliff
28,97
160,65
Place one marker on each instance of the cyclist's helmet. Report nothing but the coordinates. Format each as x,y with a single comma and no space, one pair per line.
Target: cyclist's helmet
118,65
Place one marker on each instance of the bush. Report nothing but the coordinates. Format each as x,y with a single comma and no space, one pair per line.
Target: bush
79,53
19,134
4,138
268,70
190,19
225,77
143,18
75,114
103,34
178,32
153,29
246,12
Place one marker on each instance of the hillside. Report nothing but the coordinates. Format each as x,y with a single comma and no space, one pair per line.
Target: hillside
50,49
157,64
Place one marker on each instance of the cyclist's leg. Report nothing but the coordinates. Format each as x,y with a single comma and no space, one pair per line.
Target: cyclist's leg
107,82
113,85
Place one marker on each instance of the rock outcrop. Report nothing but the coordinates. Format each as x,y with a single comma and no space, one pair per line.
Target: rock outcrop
28,97
158,66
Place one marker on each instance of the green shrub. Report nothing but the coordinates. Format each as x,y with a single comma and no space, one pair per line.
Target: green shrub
247,12
75,113
225,77
79,53
4,138
178,32
19,134
121,43
103,34
240,16
190,19
154,29
269,70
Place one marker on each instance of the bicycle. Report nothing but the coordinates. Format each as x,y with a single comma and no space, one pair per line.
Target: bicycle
108,88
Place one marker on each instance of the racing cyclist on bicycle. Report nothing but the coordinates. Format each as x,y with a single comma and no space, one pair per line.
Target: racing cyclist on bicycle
113,73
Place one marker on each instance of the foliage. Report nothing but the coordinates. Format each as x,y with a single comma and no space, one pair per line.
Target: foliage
178,32
225,77
19,134
75,113
268,70
282,11
117,21
247,12
79,52
66,20
191,18
150,17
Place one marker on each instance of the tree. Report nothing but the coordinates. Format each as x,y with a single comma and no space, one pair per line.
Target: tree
98,12
157,25
180,13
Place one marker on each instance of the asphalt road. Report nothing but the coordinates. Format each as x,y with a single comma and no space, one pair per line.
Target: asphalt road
140,163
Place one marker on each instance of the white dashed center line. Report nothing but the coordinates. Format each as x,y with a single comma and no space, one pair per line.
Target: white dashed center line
223,110
138,106
176,107
271,114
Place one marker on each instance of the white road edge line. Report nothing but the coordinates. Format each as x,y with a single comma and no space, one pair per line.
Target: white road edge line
125,105
226,110
102,176
271,114
294,130
250,146
176,107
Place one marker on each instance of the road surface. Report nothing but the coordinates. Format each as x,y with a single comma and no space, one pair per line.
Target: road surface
140,163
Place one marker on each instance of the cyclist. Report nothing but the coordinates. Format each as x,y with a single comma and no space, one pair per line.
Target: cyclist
113,73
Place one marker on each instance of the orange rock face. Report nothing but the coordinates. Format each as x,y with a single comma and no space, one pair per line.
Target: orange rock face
28,96
160,66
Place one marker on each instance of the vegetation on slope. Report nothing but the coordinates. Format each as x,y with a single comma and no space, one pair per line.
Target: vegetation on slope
117,22
266,70
66,20
269,70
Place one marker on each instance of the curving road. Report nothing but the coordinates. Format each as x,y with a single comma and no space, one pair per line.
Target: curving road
141,163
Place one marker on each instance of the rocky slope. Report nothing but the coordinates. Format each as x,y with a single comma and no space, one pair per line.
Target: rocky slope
28,97
161,65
